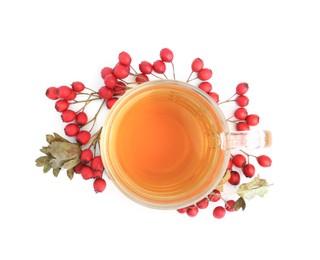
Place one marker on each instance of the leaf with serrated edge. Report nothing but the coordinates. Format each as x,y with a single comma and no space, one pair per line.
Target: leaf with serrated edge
60,138
46,168
239,204
50,138
70,173
64,151
45,150
56,172
42,160
71,163
255,187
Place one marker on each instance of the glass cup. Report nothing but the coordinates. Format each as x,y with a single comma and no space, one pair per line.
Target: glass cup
192,146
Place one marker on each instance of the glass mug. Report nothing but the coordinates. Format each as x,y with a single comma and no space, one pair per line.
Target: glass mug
166,144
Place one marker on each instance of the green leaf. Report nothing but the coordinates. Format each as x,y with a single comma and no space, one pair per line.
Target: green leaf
239,204
70,173
256,187
56,171
63,151
71,163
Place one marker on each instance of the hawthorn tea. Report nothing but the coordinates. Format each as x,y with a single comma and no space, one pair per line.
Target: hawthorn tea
162,144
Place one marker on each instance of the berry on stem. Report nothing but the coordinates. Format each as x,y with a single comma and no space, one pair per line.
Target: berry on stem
242,126
252,120
214,96
86,156
197,65
242,101
264,160
86,172
219,212
77,86
159,66
52,93
106,71
105,92
110,81
111,102
229,205
83,137
68,115
239,160
192,211
96,163
121,71
182,210
62,105
249,170
120,89
215,195
64,92
242,88
141,78
124,58
234,178
202,204
205,74
145,67
241,113
78,167
71,129
82,118
166,55
205,86
99,185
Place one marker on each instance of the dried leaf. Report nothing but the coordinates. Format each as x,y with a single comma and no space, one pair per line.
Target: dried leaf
70,173
56,171
46,168
63,151
42,160
256,187
71,163
45,150
225,178
60,138
239,204
50,138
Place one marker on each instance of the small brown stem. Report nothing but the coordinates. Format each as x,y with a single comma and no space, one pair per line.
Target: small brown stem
173,71
192,79
133,70
156,76
94,119
91,90
81,101
189,76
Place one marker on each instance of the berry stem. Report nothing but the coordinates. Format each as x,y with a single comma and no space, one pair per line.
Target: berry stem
94,119
189,76
87,100
91,90
228,100
156,76
133,69
173,71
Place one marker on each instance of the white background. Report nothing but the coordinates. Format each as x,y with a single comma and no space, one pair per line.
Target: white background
273,45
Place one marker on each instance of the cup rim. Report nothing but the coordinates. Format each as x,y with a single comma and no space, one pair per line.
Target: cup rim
112,113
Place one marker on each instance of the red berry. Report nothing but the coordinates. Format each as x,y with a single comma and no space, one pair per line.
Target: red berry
99,185
96,163
215,195
234,178
202,204
62,105
214,96
86,172
110,81
249,170
242,88
182,210
120,88
82,118
252,120
72,96
197,65
97,174
124,58
145,67
86,156
192,211
105,92
106,71
83,137
77,86
68,115
229,205
121,71
264,161
72,129
219,212
159,66
64,92
239,160
241,113
230,164
141,78
242,126
205,86
78,167
52,93
242,100
166,55
205,74
111,102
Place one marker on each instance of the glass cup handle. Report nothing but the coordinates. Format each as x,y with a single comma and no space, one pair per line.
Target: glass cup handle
249,139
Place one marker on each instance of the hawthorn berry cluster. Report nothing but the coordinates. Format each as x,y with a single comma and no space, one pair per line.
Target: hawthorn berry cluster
122,77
